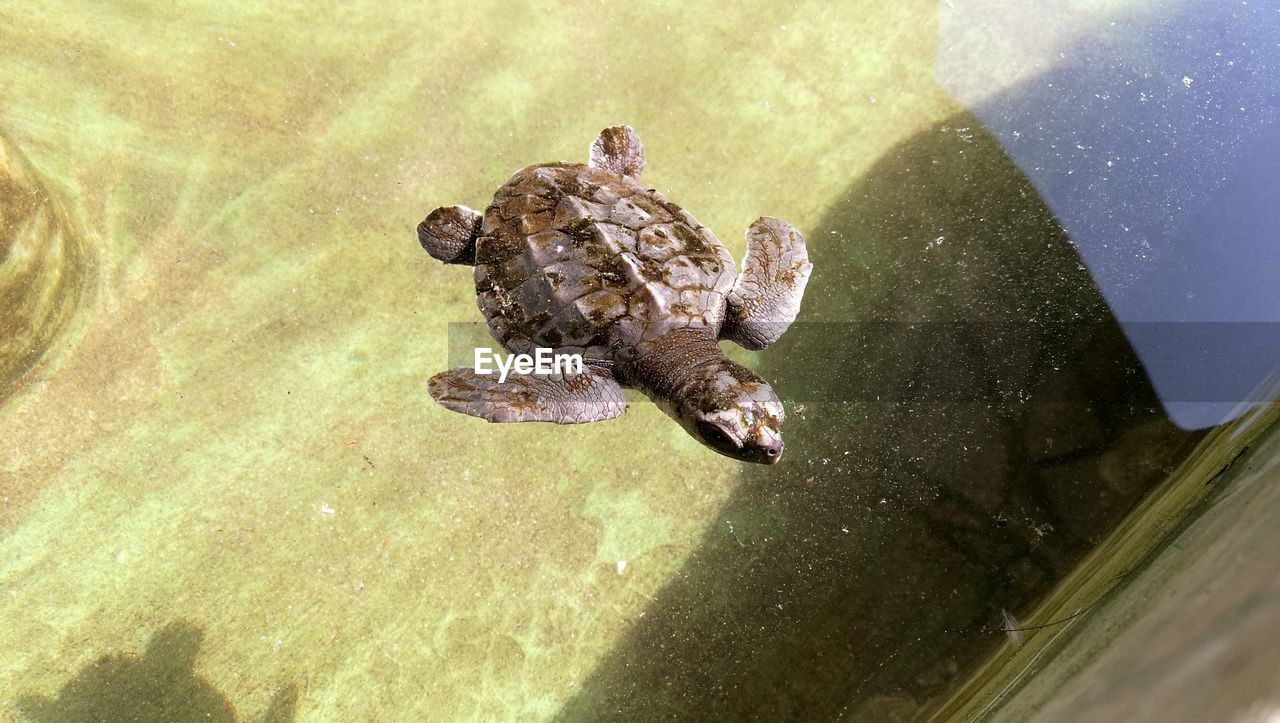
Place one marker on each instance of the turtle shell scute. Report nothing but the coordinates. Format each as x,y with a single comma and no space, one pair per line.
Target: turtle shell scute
575,257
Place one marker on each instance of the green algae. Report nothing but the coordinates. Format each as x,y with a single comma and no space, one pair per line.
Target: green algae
46,270
240,435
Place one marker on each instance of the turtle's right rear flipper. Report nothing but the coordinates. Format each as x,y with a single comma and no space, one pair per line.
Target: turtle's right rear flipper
449,233
589,396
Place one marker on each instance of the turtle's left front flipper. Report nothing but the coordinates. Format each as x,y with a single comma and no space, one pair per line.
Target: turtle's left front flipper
766,297
590,396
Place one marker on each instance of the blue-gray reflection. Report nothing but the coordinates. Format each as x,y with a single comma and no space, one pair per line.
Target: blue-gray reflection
1153,138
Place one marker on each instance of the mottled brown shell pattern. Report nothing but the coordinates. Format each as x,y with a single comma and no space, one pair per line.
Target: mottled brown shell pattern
582,259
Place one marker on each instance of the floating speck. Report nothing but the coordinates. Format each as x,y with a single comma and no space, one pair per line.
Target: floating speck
1012,629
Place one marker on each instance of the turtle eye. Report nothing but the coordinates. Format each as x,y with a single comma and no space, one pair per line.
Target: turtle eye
717,436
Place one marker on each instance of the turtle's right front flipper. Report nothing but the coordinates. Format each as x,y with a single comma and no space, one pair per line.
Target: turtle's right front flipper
449,233
589,396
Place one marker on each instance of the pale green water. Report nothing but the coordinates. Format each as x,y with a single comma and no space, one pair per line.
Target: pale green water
229,455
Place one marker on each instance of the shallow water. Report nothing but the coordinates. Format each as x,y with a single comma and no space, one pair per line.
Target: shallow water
224,489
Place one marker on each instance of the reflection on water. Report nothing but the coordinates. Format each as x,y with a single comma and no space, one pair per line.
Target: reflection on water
1154,138
867,575
44,272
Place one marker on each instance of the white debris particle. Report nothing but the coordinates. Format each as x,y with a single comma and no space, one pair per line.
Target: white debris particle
622,565
1187,81
325,509
1012,629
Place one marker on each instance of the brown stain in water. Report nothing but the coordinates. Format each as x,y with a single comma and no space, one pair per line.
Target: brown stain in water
46,270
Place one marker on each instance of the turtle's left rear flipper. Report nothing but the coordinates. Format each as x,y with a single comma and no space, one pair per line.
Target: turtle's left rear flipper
618,149
589,396
766,297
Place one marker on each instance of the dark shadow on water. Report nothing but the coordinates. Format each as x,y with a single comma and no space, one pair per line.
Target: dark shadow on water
864,576
159,685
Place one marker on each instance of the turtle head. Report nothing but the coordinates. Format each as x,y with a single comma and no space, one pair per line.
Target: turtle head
723,404
741,417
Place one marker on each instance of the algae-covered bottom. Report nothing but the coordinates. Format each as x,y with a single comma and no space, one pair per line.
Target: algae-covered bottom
224,487
46,269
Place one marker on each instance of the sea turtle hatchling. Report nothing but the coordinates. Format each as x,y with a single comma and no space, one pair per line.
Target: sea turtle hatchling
585,259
